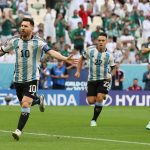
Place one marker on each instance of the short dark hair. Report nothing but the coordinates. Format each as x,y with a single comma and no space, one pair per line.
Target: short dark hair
103,34
29,20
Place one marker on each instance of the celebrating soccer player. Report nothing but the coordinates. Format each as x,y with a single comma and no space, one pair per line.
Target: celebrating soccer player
28,49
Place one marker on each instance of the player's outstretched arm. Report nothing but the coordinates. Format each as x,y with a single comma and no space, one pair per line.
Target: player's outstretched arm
58,56
79,66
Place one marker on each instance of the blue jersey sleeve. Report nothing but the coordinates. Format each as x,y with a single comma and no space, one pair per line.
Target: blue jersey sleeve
45,48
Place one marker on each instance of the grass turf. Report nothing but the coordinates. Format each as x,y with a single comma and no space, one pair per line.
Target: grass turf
116,123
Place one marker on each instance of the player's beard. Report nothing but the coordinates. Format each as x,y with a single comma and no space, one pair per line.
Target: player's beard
25,35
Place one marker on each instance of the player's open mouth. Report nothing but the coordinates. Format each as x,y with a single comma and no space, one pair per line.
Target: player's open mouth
22,32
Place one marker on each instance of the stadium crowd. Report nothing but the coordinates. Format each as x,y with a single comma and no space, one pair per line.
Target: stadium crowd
72,25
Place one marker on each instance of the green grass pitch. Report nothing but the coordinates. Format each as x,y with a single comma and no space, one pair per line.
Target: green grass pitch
67,128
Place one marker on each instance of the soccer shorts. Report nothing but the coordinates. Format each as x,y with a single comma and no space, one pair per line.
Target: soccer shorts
99,86
28,89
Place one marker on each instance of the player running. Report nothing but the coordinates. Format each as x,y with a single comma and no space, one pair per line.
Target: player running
99,78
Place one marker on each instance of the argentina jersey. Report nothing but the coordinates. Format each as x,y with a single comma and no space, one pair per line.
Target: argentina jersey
98,62
28,55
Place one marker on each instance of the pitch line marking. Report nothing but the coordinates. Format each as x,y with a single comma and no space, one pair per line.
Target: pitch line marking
80,137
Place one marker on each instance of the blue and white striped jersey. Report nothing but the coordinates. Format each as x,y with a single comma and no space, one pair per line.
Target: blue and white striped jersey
98,62
28,56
